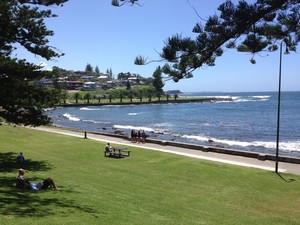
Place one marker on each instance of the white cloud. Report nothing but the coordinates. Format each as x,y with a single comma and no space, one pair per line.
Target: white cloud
44,67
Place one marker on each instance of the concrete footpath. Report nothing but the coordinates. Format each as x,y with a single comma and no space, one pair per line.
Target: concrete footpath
269,165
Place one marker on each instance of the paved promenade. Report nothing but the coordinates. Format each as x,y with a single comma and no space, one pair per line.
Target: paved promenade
217,157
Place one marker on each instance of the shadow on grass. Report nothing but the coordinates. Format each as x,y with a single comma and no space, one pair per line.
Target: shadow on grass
286,180
17,202
8,163
115,157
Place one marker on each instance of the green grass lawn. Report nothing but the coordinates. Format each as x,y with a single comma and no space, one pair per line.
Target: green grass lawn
147,188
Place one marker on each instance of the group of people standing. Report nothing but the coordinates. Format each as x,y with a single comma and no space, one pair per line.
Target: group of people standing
138,136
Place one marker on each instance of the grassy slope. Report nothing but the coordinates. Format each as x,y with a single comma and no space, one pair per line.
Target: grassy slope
146,188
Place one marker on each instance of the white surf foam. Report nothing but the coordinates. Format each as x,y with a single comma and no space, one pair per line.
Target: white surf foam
95,122
90,109
284,146
135,114
125,127
70,117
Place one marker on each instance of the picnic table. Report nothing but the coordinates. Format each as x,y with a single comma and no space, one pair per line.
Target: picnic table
117,152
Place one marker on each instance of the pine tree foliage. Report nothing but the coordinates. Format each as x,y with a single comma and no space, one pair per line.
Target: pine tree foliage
89,68
22,23
97,70
157,81
119,3
21,102
246,27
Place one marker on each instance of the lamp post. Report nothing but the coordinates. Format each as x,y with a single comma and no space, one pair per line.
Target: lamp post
278,111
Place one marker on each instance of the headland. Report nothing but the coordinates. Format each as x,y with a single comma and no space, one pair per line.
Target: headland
177,101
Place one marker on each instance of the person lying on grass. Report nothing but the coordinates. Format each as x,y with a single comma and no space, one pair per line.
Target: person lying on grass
23,183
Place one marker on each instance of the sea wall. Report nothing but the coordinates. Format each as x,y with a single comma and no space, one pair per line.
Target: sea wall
256,155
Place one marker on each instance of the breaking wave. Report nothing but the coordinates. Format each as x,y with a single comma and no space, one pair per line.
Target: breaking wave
285,146
71,117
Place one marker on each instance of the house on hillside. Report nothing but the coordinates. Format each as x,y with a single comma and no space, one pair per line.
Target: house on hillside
89,85
45,82
103,77
88,78
75,85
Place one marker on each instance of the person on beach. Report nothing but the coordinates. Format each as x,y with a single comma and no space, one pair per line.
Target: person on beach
23,183
138,136
20,159
133,135
108,148
143,134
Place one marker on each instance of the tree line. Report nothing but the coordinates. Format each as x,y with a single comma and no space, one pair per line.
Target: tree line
135,94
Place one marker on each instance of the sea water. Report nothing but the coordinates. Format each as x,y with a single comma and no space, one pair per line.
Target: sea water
249,122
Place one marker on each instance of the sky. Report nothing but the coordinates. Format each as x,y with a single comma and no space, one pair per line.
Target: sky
102,35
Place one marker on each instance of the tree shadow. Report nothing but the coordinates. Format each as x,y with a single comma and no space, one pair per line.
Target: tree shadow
8,163
17,202
29,203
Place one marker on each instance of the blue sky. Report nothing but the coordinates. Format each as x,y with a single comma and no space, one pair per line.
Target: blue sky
111,37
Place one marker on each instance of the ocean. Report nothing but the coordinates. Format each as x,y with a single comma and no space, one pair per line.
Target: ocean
248,123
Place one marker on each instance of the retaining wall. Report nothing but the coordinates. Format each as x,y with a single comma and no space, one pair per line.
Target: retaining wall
256,155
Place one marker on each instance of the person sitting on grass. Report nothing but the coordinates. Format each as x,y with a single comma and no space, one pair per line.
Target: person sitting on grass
23,183
20,159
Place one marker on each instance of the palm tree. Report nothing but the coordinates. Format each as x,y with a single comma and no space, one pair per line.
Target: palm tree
77,96
97,96
121,97
87,96
176,96
158,95
141,97
64,96
150,97
130,97
110,97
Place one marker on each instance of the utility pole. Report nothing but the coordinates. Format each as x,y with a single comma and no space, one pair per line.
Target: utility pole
278,112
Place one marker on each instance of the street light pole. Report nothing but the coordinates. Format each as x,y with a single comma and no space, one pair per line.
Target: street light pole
278,112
